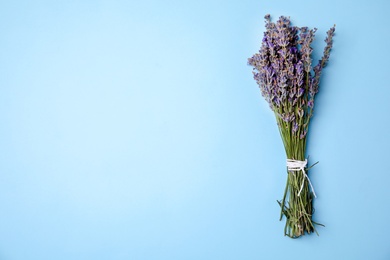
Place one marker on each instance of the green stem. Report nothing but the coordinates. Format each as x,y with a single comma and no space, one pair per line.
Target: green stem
297,209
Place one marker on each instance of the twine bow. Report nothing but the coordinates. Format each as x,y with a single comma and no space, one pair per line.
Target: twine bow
295,166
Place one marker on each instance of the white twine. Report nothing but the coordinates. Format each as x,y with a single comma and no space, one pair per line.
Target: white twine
296,166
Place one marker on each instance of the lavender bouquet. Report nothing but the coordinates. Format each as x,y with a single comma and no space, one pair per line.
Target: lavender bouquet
288,82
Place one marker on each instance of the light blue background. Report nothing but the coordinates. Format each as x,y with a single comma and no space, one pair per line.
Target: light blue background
134,130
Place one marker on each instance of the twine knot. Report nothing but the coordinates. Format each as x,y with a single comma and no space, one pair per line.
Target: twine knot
295,166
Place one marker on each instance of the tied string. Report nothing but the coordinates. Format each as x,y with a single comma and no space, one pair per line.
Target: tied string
296,166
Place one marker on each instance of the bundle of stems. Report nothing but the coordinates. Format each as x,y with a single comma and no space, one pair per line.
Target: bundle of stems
299,209
283,70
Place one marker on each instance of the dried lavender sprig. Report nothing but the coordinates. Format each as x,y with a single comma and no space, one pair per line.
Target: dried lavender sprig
315,81
306,37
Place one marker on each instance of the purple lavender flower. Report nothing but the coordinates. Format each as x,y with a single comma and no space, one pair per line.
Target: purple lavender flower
306,38
300,92
295,127
299,71
310,103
